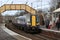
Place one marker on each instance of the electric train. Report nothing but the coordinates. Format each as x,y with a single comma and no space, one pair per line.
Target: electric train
33,26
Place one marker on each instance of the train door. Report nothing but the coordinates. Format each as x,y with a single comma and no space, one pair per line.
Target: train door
34,19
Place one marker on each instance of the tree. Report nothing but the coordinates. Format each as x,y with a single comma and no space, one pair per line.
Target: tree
21,13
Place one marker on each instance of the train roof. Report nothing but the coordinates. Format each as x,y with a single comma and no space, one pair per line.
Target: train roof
21,17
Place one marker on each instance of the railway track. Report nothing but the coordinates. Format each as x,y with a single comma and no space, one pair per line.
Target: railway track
40,36
45,37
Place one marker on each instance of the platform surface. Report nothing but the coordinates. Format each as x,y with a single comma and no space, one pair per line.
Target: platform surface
6,34
56,31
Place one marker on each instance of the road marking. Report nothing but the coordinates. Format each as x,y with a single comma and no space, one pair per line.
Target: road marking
15,35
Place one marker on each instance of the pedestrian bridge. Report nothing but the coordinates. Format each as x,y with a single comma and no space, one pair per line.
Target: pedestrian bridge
7,7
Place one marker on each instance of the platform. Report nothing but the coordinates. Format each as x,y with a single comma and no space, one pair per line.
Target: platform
50,30
6,34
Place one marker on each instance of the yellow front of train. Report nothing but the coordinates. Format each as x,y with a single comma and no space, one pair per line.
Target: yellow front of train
33,25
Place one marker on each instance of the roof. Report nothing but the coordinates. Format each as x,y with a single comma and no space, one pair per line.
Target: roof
57,10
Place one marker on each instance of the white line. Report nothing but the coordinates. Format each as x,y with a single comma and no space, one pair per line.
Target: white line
15,35
50,30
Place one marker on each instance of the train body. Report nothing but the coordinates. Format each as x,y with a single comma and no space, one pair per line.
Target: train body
32,26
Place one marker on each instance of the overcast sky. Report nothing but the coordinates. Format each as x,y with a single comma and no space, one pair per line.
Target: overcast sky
41,4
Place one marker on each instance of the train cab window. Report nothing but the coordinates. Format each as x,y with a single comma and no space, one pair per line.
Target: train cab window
37,19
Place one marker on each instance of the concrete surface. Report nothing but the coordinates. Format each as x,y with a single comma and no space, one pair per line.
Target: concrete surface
6,34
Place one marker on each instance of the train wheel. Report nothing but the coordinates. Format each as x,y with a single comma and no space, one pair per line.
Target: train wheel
26,29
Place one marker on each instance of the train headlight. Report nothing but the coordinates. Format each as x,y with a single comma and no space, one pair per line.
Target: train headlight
28,23
37,23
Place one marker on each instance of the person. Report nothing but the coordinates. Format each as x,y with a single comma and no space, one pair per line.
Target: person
58,23
10,21
47,21
51,24
43,22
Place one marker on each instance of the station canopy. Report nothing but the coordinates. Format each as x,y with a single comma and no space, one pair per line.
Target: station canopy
57,10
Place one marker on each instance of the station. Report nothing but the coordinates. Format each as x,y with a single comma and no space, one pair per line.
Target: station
30,20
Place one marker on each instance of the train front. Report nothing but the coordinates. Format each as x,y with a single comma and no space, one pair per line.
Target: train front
33,26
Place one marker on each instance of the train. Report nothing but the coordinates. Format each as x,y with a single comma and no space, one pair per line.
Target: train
33,26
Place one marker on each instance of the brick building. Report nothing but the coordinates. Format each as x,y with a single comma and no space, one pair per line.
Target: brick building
1,18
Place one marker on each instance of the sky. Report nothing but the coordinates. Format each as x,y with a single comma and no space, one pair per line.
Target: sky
36,4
